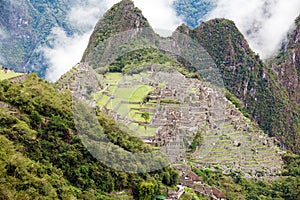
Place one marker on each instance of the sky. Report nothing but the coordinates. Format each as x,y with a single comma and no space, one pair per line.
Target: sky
66,53
264,23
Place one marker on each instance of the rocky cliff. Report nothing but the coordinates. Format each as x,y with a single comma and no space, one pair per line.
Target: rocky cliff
287,63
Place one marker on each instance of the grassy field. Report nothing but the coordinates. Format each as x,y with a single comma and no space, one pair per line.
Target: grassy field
127,100
8,75
140,93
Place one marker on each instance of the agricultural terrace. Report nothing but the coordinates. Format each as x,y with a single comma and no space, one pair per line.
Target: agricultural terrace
124,96
8,74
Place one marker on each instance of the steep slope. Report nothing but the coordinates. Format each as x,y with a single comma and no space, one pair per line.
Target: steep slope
25,26
249,79
287,63
43,155
121,17
37,128
36,180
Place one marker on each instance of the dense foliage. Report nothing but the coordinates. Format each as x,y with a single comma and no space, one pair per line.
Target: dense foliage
27,26
37,128
193,11
236,187
42,156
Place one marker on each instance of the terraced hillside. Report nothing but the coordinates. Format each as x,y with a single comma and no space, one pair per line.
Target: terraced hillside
239,146
168,111
7,74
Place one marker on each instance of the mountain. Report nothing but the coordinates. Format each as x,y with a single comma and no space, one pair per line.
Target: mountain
111,82
25,27
250,80
239,144
287,63
144,101
122,17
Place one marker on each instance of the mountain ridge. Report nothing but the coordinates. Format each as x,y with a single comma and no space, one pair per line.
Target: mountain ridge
287,63
42,155
248,78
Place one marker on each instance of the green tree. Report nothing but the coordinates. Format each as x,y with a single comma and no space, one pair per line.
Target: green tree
146,191
146,117
36,119
196,141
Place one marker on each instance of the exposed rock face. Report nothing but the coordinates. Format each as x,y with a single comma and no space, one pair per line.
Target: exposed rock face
287,63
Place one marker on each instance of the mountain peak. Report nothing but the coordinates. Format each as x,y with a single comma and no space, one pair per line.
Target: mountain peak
125,3
121,17
183,28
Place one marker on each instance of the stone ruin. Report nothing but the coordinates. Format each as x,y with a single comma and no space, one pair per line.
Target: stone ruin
229,140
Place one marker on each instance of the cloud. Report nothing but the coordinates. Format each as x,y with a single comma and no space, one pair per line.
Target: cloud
265,23
161,15
65,52
83,17
84,14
